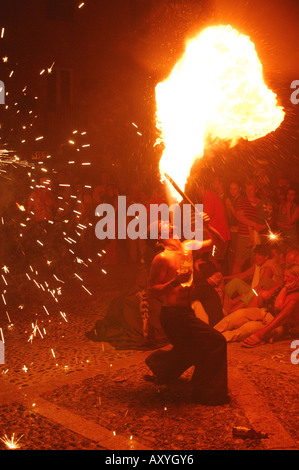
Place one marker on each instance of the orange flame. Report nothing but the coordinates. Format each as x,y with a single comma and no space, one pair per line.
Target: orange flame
215,91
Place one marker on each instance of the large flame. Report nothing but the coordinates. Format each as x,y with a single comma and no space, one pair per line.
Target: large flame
216,91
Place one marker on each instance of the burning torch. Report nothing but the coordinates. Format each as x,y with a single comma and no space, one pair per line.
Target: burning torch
214,233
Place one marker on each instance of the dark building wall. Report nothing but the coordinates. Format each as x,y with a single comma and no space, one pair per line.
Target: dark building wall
109,56
89,49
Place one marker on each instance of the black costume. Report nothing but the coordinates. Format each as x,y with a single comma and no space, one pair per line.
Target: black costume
194,344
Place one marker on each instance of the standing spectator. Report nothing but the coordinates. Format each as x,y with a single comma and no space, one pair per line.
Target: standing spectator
288,216
218,187
266,213
264,274
235,193
214,207
248,227
286,319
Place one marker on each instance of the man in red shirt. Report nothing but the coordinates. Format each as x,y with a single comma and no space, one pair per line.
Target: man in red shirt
215,208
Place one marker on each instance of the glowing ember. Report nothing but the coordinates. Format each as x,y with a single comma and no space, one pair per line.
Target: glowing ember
11,443
21,208
215,92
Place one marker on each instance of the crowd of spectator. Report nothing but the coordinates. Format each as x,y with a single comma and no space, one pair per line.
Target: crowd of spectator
256,275
237,283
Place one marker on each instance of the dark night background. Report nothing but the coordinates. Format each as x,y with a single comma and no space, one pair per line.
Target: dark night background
109,56
106,59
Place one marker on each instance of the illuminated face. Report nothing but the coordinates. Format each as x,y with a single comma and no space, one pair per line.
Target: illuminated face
250,190
234,190
290,279
259,259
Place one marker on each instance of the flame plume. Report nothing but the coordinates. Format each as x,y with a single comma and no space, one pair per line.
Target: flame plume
215,91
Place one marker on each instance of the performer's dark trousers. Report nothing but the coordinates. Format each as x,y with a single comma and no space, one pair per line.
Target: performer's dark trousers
194,344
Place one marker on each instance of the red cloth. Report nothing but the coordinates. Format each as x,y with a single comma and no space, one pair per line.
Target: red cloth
214,207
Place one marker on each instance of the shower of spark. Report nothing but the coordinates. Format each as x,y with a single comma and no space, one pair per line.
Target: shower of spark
11,443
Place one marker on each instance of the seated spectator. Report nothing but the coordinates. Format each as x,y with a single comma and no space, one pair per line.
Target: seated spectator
286,321
243,322
264,274
255,325
278,254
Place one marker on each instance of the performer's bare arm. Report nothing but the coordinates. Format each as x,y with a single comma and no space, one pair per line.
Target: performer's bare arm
163,277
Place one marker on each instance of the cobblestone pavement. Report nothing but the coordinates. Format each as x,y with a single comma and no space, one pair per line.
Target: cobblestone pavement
60,391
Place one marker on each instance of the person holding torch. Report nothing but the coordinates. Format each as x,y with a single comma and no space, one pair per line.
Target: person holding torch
194,343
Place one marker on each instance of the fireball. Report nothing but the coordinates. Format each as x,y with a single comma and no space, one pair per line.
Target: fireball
215,92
